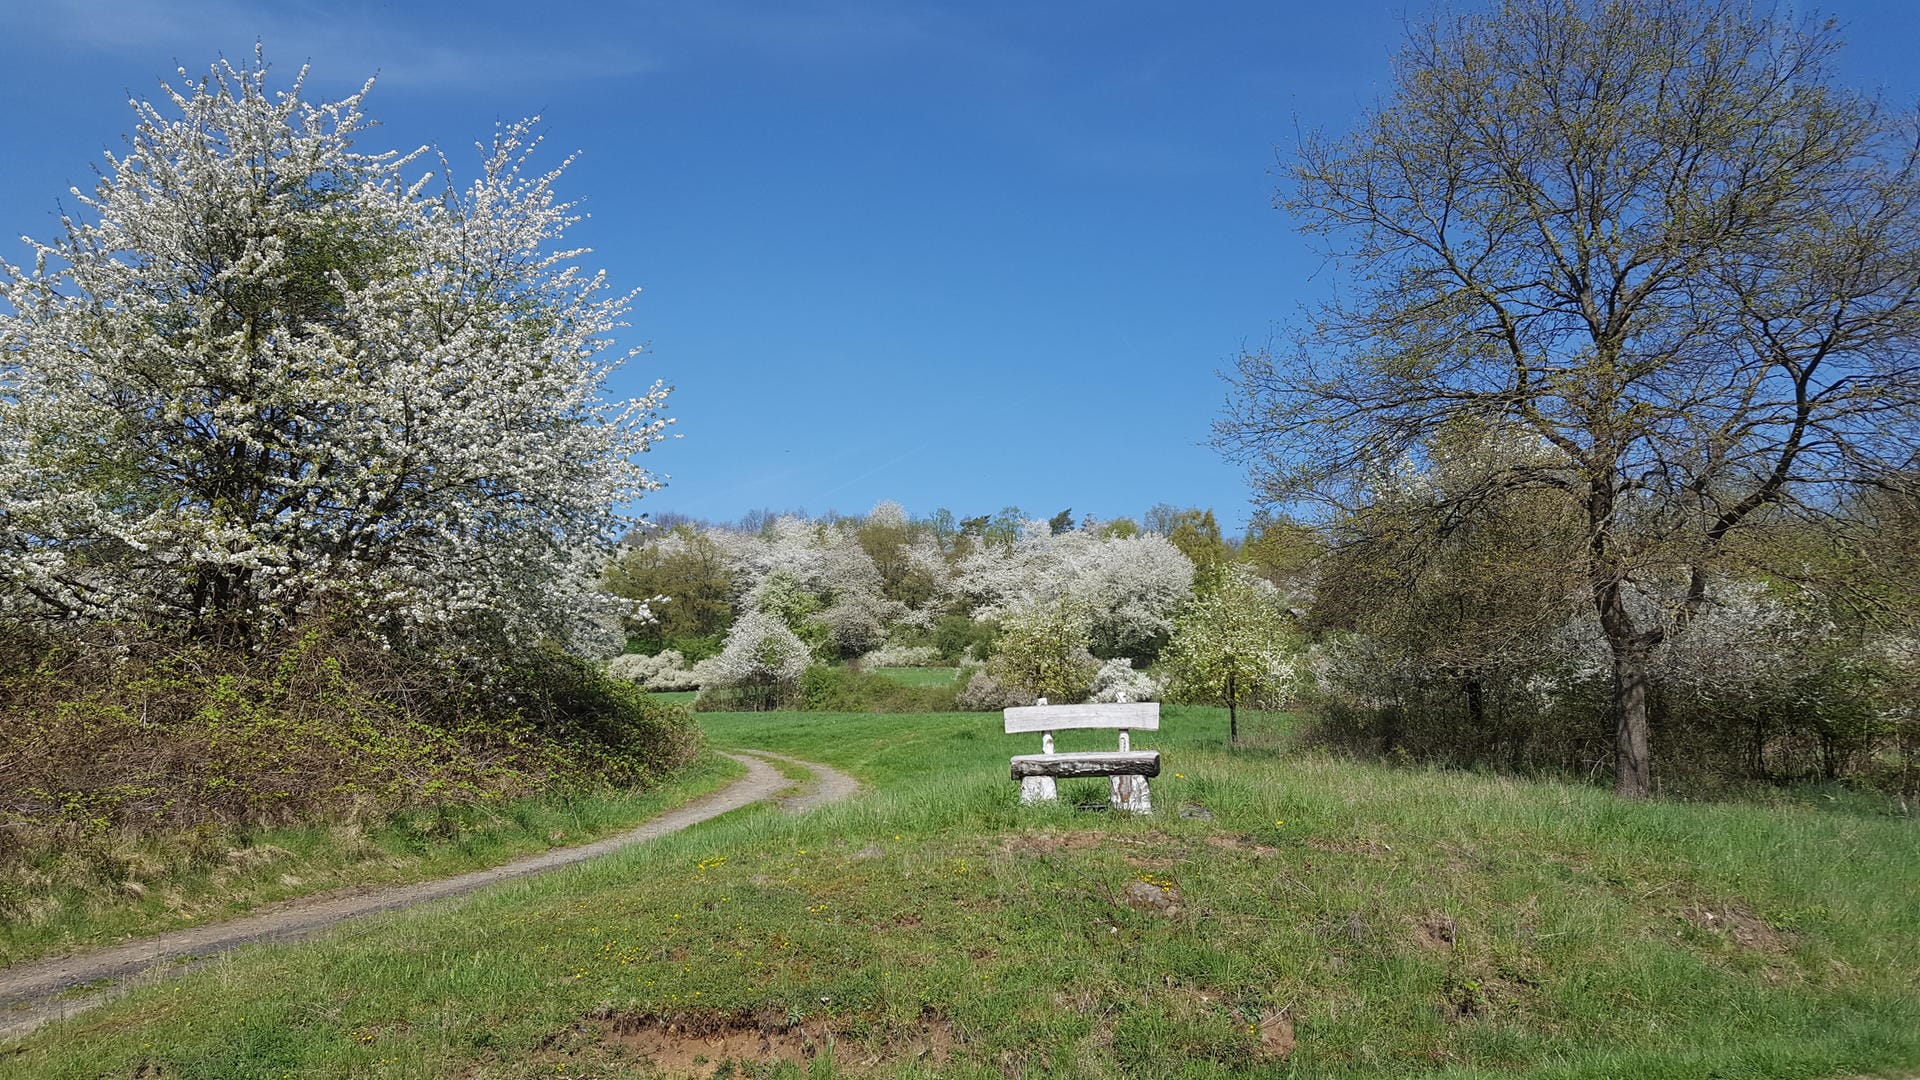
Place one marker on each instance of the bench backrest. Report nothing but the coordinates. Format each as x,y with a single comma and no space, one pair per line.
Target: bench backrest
1130,716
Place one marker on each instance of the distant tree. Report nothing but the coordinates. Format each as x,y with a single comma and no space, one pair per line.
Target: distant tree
761,665
1160,518
1652,235
1283,551
944,527
1042,652
1007,525
1233,644
687,570
1061,522
890,539
1197,534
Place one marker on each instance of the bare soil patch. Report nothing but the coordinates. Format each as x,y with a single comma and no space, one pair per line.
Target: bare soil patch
1435,930
1736,924
697,1045
703,1044
1275,1029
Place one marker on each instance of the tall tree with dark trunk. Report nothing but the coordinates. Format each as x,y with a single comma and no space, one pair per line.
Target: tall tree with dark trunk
1654,237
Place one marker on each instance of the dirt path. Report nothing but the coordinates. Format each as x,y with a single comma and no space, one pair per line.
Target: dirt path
828,785
35,994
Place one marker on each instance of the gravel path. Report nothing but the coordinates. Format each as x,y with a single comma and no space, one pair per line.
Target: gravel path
38,993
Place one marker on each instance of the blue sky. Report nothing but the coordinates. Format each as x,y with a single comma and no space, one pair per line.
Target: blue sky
964,255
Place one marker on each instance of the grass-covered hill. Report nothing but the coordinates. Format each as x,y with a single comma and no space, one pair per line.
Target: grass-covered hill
1281,914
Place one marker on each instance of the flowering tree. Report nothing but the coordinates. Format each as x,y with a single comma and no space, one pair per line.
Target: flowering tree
762,663
1043,653
265,374
1130,587
1234,642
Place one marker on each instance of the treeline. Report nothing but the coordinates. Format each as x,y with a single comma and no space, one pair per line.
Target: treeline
1475,640
1396,632
1065,609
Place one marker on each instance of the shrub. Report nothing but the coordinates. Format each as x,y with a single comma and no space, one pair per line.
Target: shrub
647,671
957,636
126,730
1043,652
984,693
1117,680
840,689
902,656
759,669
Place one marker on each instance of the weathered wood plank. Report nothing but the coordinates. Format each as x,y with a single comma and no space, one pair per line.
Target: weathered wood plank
1137,716
1092,763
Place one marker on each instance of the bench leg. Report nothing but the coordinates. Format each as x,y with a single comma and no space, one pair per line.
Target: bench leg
1130,793
1035,789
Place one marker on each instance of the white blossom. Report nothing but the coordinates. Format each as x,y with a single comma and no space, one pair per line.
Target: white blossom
264,373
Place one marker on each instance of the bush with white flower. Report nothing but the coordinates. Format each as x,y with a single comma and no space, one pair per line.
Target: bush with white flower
760,668
902,656
263,374
1118,680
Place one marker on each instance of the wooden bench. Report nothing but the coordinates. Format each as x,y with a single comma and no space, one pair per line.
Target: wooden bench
1128,768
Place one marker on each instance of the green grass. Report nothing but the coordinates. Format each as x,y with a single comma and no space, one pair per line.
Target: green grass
57,911
1334,919
921,676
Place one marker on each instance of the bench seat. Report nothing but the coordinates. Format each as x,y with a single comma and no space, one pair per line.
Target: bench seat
1089,763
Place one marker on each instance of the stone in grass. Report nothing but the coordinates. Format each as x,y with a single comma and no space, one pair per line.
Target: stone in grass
1146,896
1195,812
871,851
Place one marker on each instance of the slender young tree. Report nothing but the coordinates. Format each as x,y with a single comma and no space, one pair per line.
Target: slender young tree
1655,237
1234,643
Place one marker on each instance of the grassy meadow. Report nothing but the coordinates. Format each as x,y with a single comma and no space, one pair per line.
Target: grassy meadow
920,676
1281,913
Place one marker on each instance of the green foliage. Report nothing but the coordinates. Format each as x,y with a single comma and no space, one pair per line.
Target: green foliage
1194,531
1283,551
128,730
1042,651
954,635
843,689
688,569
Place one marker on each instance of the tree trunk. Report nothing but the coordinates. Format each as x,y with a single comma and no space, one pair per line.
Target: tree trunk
1631,646
1632,650
1233,714
1633,758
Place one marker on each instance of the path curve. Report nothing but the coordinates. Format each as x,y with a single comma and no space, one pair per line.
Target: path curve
829,785
30,994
